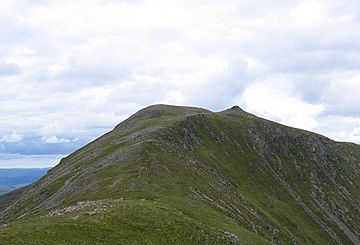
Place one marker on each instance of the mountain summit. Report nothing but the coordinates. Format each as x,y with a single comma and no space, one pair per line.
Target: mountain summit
185,175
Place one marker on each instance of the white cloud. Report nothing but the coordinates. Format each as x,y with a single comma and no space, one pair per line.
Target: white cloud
174,97
55,140
340,128
274,98
26,161
310,12
341,95
12,138
355,135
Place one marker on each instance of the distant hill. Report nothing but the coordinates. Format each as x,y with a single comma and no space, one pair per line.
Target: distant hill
14,178
5,189
184,175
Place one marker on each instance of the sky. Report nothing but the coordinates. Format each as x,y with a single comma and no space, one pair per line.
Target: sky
71,70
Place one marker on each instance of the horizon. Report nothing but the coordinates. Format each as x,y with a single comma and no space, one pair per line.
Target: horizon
25,168
44,164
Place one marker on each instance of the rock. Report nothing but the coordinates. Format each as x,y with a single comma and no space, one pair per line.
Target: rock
97,206
231,238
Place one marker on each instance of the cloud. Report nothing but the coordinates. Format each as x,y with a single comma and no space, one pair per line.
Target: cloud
55,140
9,69
75,69
355,135
275,99
339,127
12,138
28,161
310,13
340,95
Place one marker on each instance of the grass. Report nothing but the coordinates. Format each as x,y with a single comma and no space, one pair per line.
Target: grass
132,221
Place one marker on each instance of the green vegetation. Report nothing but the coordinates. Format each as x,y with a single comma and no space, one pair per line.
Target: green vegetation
191,176
130,222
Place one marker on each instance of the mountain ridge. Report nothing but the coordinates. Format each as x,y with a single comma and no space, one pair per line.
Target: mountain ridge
260,179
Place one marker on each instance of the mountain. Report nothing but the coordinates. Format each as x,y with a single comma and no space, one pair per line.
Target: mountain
184,175
14,178
5,189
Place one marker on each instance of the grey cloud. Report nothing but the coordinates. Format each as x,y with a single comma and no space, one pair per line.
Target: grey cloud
342,99
35,145
86,76
220,89
9,69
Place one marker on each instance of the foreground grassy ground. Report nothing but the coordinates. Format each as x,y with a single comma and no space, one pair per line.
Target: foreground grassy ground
131,221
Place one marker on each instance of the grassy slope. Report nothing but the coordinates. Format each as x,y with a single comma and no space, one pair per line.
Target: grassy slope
278,178
188,176
132,221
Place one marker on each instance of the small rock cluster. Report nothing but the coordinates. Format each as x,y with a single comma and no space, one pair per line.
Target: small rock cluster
232,238
93,206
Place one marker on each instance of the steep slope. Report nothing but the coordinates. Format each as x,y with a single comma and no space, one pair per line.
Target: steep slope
187,175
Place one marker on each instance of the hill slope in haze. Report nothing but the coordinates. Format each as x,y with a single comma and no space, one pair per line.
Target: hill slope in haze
187,175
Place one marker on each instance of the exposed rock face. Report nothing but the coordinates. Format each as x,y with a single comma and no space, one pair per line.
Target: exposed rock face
283,185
